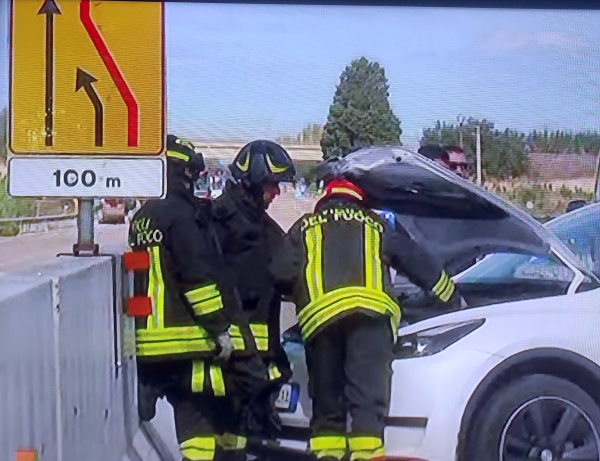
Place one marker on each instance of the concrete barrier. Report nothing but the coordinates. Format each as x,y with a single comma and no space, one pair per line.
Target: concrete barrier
67,367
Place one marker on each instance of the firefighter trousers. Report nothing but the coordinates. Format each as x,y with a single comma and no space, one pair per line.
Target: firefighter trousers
349,370
208,421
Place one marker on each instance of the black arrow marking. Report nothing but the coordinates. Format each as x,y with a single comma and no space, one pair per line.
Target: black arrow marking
49,8
85,81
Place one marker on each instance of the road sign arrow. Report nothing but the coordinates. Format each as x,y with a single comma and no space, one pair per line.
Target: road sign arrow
85,80
133,115
49,8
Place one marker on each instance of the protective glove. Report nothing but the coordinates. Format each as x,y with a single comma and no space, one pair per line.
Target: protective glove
226,347
148,395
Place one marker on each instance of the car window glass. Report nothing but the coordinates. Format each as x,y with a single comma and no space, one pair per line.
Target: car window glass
504,267
580,231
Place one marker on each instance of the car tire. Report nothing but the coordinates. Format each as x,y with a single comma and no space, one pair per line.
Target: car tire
504,425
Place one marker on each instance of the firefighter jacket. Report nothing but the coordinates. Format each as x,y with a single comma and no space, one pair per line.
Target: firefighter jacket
336,261
183,281
248,237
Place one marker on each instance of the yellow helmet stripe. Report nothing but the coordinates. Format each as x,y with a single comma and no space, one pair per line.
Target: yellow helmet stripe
178,155
273,168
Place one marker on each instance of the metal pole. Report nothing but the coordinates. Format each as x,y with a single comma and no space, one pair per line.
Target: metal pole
478,130
85,227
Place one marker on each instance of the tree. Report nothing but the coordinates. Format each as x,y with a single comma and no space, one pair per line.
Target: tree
3,132
360,114
503,153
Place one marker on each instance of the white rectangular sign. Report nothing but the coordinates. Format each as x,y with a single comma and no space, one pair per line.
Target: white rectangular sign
86,177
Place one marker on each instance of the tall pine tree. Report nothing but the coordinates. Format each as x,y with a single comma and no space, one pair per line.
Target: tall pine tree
360,115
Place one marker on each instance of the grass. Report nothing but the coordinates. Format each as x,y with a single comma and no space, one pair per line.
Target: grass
13,207
543,200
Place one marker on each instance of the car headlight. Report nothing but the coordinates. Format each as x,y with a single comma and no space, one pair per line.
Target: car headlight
434,340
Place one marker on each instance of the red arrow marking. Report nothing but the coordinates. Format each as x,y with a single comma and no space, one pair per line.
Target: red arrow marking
133,122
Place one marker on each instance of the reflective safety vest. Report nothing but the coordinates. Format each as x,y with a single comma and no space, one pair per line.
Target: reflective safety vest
344,269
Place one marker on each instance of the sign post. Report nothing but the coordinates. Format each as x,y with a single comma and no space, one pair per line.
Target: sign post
87,102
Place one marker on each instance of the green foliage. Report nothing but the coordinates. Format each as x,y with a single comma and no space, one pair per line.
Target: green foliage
542,201
360,115
503,152
13,207
561,142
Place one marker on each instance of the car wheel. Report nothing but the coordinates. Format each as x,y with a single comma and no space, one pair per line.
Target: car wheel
538,417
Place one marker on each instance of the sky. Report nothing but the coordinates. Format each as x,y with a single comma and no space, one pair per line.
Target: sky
250,71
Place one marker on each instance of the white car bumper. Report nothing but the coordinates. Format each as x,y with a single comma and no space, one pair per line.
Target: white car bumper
428,400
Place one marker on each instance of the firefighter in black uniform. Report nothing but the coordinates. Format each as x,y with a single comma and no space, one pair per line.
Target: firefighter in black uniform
335,265
248,236
183,343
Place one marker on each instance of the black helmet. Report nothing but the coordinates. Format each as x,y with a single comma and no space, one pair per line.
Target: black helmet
260,161
327,169
181,154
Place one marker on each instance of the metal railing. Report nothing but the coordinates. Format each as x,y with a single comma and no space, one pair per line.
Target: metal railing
29,224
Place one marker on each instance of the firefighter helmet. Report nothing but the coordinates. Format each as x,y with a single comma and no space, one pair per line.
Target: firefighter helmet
181,154
259,162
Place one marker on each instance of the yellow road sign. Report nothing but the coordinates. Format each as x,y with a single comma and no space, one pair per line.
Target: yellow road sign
87,77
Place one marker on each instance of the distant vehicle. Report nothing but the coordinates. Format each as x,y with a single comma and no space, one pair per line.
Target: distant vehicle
112,211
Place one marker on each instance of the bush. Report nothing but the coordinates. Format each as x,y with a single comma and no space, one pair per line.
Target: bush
13,207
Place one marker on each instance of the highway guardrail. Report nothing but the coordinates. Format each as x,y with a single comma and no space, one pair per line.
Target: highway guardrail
28,224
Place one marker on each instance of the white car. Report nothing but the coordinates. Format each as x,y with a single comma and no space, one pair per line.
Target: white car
516,376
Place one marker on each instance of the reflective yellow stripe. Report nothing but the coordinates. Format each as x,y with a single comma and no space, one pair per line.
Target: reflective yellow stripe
199,449
229,441
261,335
274,372
178,155
205,300
156,290
201,294
314,268
208,306
373,264
366,448
328,442
175,340
367,455
197,376
172,348
260,332
217,381
447,293
345,190
173,333
341,293
236,338
444,288
343,299
344,305
441,284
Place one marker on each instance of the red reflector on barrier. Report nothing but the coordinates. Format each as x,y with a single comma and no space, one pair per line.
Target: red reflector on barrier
26,455
137,260
140,306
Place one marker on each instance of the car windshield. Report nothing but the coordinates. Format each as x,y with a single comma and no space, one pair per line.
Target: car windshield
579,230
